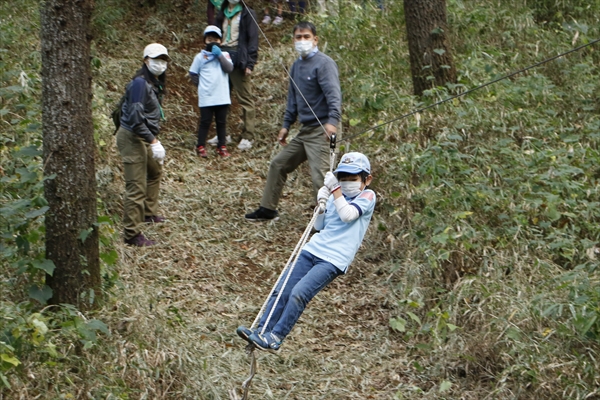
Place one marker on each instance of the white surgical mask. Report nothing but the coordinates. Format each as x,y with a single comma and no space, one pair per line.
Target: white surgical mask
234,2
304,47
351,188
157,66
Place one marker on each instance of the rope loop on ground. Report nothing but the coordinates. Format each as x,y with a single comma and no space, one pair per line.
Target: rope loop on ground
287,271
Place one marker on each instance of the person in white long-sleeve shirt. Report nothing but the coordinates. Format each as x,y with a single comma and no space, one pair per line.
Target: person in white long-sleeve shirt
210,72
342,226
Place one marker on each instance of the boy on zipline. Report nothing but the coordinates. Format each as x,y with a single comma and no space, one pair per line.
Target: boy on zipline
342,227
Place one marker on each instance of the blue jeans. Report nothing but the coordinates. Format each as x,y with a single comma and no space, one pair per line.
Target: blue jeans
310,275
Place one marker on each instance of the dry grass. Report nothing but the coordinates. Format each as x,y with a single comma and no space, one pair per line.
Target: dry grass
174,310
211,273
173,318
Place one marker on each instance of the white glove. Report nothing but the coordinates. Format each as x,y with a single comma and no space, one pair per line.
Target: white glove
158,151
323,194
331,182
322,197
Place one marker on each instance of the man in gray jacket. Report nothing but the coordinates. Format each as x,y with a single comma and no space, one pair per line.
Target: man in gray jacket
315,99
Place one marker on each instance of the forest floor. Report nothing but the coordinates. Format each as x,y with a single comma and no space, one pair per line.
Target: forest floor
212,270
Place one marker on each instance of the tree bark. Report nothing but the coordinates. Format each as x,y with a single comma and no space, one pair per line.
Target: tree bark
428,44
69,151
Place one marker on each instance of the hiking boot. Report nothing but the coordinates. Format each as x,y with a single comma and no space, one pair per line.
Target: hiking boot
155,219
245,333
278,20
266,20
262,214
266,342
201,152
215,141
222,151
245,144
140,240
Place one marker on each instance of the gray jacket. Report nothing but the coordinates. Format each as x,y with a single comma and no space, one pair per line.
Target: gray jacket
318,80
141,111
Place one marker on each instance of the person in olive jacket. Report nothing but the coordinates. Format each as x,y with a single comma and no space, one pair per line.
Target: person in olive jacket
141,151
240,40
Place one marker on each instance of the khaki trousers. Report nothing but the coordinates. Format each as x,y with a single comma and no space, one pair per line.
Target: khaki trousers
142,181
310,144
243,88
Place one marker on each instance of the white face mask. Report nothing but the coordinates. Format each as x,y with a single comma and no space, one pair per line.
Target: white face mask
157,66
351,188
304,47
234,2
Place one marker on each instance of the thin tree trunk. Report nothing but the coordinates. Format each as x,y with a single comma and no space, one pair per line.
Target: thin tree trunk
69,151
428,44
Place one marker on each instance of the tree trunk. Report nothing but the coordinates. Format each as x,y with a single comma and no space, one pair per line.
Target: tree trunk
428,44
69,151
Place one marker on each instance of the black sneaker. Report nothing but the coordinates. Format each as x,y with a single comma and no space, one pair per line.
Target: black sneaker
262,214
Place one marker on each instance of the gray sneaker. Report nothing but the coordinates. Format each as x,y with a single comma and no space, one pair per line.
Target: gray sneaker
266,342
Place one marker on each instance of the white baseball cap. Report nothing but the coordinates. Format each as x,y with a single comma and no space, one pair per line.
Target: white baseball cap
156,50
213,29
354,163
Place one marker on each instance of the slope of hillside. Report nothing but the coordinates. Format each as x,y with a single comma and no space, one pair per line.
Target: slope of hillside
477,279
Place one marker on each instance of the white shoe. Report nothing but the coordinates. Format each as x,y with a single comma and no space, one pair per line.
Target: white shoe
278,20
214,141
266,20
245,145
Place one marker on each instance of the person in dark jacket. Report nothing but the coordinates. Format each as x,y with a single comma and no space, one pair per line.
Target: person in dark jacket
142,153
240,40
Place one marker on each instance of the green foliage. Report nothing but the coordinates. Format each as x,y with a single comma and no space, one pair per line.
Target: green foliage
494,196
559,10
574,302
372,66
29,335
107,19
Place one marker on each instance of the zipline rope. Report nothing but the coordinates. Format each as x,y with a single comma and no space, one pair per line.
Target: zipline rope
472,90
291,263
287,271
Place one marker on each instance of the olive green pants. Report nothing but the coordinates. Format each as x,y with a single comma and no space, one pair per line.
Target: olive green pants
243,88
142,181
310,144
